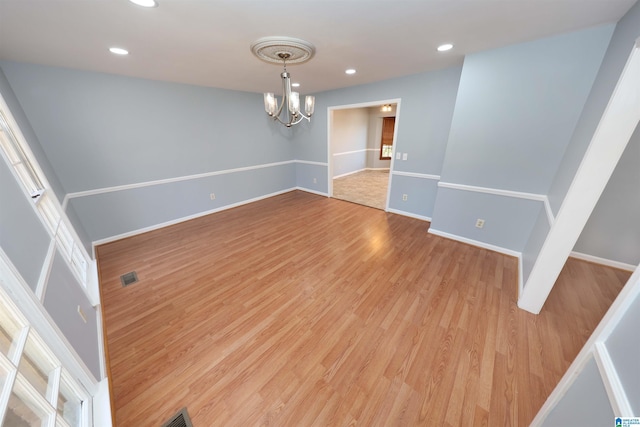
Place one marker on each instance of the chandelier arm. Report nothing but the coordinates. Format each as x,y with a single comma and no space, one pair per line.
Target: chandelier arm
302,116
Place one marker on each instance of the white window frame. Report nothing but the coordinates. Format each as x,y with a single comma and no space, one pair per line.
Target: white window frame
16,382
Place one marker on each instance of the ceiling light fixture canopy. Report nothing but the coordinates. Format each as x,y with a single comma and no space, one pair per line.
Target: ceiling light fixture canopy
145,3
285,50
118,51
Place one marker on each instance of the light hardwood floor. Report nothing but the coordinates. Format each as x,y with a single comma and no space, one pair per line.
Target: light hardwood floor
300,310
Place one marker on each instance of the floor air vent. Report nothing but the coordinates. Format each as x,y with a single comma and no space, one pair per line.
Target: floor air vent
129,278
181,419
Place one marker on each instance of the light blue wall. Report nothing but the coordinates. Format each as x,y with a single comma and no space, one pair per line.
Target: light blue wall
534,243
626,32
27,131
349,133
62,298
515,111
420,192
585,404
427,102
139,208
508,221
624,346
612,231
22,236
608,223
101,130
25,240
306,174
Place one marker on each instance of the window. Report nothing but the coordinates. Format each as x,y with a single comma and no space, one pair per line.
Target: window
386,145
19,160
35,390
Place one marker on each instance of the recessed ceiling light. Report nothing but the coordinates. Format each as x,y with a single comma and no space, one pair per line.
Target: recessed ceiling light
118,51
445,47
350,71
295,84
145,3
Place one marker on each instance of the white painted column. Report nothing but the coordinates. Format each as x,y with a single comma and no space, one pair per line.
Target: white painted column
616,126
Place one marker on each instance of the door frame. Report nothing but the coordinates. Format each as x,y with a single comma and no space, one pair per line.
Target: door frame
331,109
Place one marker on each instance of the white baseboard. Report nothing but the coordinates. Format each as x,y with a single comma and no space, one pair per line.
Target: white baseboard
477,243
376,169
489,246
308,190
603,261
186,218
409,214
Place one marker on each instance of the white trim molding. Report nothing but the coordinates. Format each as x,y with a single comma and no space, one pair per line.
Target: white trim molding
594,348
506,193
18,290
170,180
610,138
363,150
309,162
477,243
496,191
96,191
366,104
417,175
308,190
609,374
349,173
408,214
603,261
185,218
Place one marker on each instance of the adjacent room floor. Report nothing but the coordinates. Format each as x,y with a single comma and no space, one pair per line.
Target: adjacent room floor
302,310
368,187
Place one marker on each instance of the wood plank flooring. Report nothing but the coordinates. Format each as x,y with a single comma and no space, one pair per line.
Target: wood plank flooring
300,310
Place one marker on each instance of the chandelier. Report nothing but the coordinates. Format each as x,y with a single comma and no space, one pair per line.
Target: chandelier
285,50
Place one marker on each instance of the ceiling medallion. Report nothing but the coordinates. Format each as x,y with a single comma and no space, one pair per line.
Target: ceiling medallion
285,50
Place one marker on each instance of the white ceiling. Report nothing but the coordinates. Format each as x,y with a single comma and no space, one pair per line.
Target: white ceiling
206,42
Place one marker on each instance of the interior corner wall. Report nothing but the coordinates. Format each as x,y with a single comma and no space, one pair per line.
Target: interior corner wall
150,152
515,112
608,224
426,108
627,31
612,231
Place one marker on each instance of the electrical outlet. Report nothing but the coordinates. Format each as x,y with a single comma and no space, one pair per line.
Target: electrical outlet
404,197
315,180
404,156
479,223
398,156
213,196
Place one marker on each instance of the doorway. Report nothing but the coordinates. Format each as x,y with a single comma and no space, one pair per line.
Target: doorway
361,147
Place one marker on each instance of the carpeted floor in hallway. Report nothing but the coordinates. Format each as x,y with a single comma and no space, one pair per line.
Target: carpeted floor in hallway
368,187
